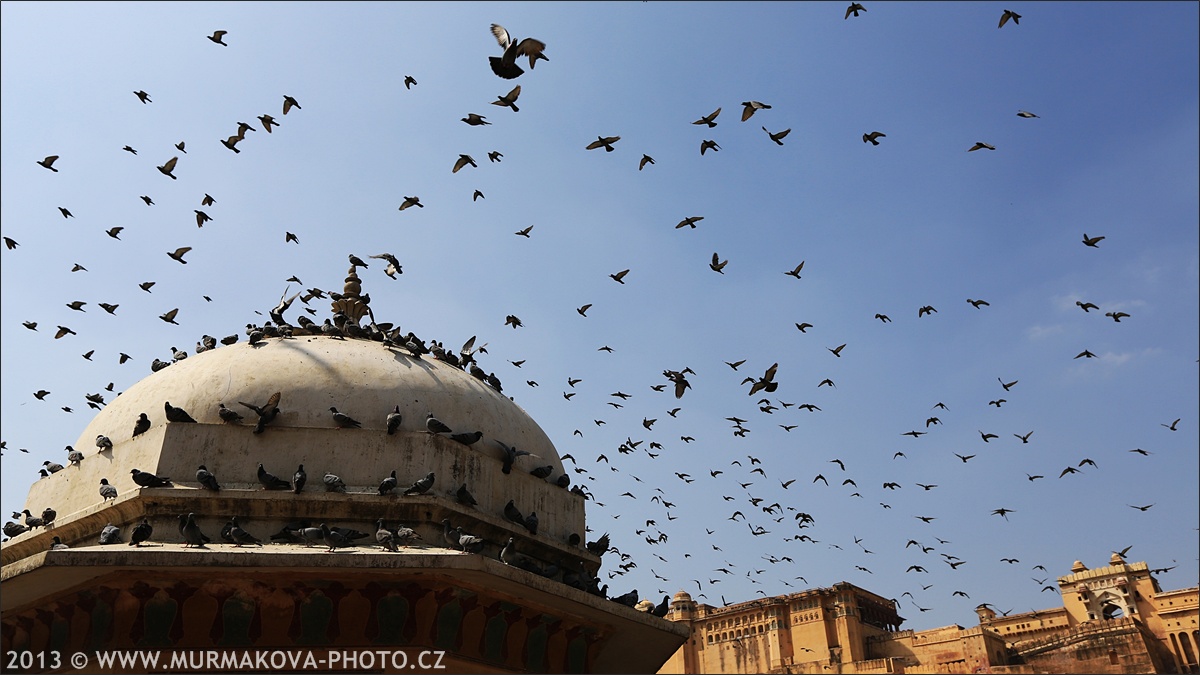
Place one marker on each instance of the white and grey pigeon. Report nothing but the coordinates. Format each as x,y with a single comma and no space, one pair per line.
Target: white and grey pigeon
111,534
344,421
103,443
435,426
74,456
107,491
333,483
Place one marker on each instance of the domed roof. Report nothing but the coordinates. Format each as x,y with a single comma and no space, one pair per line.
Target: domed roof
361,378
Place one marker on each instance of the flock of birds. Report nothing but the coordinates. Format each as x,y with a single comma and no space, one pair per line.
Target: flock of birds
750,509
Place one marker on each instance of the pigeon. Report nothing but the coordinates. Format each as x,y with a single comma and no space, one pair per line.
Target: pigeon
192,536
267,122
475,120
178,254
605,142
334,538
149,480
509,100
416,201
104,443
646,159
751,107
206,479
463,160
505,65
435,426
871,137
854,9
542,471
409,81
266,413
531,522
343,421
709,119
289,103
388,484
1091,241
393,421
58,545
111,534
74,456
140,533
299,478
510,456
168,168
107,491
464,496
1026,114
421,486
778,136
141,426
228,416
201,218
218,37
239,536
270,482
512,513
384,536
469,542
334,483
980,145
708,145
467,439
1009,14
177,414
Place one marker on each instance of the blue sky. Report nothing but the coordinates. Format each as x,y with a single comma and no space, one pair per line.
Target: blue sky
915,221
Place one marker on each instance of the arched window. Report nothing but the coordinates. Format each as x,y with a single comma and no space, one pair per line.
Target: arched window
1112,611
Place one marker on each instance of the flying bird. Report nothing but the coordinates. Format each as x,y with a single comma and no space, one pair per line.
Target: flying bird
168,168
524,232
708,145
854,9
267,122
509,100
751,107
1091,241
871,137
201,218
778,136
289,103
717,265
475,120
709,119
1026,114
505,65
619,276
219,37
463,160
409,81
1172,425
978,303
1009,14
178,254
980,145
605,142
837,351
1116,316
48,162
689,221
646,159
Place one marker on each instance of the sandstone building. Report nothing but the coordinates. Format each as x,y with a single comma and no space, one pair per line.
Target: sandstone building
1114,619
